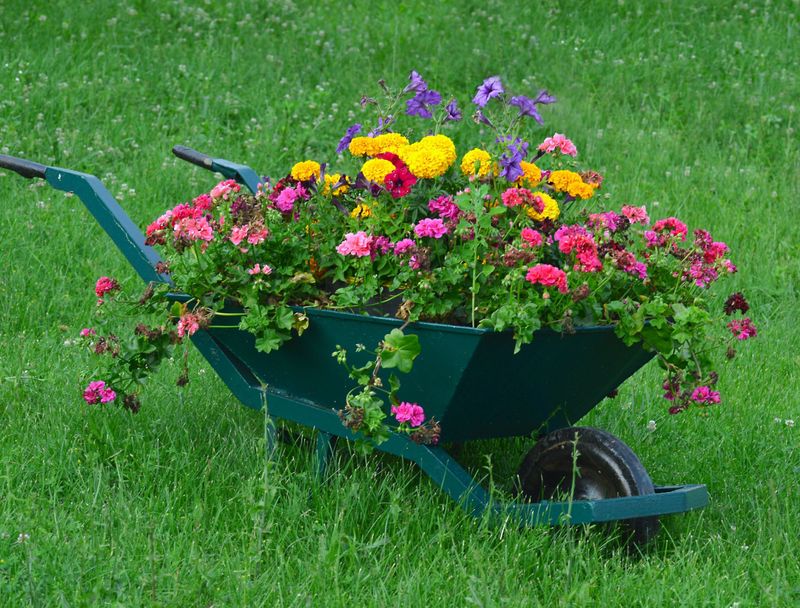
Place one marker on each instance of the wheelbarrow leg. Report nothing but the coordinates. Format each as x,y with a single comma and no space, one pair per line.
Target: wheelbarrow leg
325,443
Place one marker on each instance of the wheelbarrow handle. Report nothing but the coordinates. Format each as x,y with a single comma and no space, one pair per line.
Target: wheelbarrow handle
194,157
241,173
101,204
26,168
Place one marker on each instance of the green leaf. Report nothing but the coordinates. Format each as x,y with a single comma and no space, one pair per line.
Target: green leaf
399,350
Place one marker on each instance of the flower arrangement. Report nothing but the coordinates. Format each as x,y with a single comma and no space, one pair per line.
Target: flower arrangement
496,234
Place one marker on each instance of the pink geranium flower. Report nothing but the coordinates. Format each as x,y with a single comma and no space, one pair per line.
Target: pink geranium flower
188,324
531,237
431,227
224,188
558,142
239,233
675,227
88,331
547,275
258,269
105,285
445,207
357,244
98,392
409,412
403,245
636,215
705,396
743,329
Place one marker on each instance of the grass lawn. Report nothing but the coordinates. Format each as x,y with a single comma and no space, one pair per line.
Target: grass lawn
689,107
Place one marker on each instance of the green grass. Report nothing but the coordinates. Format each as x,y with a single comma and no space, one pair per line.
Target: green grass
688,107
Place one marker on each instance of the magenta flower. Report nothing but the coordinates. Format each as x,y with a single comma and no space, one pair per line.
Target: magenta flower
403,245
547,275
743,329
98,392
409,412
357,244
704,395
88,331
432,227
445,207
558,142
286,199
105,285
488,89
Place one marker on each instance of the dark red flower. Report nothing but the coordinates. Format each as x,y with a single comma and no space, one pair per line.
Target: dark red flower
736,302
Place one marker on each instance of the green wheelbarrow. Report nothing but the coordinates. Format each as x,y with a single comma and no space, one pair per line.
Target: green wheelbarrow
468,378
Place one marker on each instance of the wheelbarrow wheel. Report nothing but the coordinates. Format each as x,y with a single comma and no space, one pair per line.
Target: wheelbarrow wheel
604,468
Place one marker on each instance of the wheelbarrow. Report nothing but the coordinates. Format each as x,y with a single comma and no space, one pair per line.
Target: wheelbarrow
467,378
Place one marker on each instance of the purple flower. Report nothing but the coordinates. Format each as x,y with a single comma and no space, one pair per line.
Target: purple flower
480,118
382,126
415,83
453,113
544,98
515,153
348,137
527,107
491,87
418,105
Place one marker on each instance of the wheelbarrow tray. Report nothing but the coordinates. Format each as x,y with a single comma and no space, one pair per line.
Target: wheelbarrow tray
469,379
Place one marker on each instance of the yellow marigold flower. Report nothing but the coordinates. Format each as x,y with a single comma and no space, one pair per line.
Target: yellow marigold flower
550,210
582,190
376,169
361,211
372,146
531,175
388,142
571,183
360,146
330,180
476,158
303,171
430,157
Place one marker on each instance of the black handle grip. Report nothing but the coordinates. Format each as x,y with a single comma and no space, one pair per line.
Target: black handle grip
26,168
193,156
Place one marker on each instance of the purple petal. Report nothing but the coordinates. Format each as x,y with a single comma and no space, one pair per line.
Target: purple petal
415,83
489,88
348,137
544,98
453,113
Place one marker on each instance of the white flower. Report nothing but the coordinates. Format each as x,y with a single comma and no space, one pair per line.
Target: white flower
651,426
777,420
789,422
23,536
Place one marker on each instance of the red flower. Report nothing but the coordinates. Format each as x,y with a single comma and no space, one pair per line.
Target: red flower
399,182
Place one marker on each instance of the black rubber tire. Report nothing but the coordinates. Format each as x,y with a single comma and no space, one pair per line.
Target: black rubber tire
606,468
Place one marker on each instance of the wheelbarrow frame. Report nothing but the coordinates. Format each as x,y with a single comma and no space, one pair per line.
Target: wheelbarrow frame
440,466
